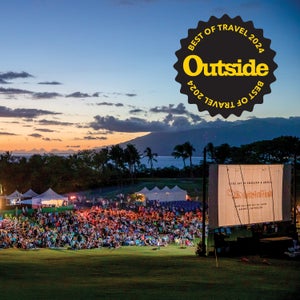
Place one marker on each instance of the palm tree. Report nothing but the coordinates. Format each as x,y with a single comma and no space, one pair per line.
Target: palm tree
100,159
179,152
116,154
189,149
151,157
211,151
131,157
222,153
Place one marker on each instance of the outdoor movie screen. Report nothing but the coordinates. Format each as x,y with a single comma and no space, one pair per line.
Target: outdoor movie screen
249,194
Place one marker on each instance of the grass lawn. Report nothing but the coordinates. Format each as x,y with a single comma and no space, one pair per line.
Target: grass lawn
143,273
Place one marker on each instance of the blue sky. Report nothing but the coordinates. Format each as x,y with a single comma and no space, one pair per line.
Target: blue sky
81,74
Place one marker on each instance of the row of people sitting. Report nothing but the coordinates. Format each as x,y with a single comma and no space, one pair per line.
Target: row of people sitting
100,227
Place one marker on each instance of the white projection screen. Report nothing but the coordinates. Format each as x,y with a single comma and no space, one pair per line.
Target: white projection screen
248,194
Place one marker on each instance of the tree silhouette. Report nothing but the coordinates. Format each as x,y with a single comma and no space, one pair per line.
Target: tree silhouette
93,168
184,151
151,157
189,149
132,158
178,152
116,154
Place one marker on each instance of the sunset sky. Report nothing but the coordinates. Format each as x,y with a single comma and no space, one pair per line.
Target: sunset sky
80,74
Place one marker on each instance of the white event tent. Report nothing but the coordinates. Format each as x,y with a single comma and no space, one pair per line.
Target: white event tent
29,194
178,193
48,198
165,194
14,197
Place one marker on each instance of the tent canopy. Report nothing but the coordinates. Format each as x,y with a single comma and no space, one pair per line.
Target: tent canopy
49,197
143,191
15,195
30,194
165,194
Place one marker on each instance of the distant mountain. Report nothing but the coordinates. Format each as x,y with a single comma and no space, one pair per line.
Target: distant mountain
219,132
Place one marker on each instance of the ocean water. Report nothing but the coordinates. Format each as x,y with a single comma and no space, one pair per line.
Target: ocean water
168,161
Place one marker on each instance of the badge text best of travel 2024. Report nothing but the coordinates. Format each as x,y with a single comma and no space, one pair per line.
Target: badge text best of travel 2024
225,66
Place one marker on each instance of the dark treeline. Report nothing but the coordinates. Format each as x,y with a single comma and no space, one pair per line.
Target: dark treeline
117,166
279,150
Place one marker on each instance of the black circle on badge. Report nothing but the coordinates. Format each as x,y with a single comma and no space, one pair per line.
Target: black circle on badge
225,66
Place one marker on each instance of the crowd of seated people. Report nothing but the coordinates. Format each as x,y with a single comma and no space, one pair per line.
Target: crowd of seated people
98,227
